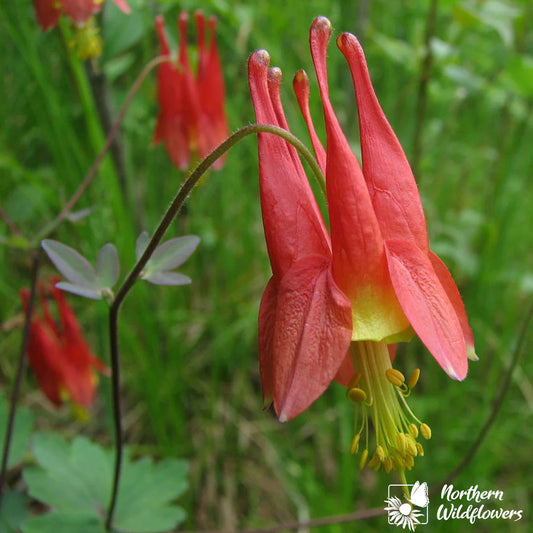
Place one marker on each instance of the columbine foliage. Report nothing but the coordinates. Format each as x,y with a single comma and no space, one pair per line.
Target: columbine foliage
73,479
166,257
13,512
82,278
97,283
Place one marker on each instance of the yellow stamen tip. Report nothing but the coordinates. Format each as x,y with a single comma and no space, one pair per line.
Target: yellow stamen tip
413,380
357,395
420,449
395,377
400,443
413,430
411,445
354,448
364,457
426,431
380,453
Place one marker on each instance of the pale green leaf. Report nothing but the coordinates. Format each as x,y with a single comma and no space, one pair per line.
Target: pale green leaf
172,253
74,267
167,278
107,266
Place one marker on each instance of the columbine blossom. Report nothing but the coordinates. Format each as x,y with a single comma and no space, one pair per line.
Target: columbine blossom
338,302
191,120
58,354
79,11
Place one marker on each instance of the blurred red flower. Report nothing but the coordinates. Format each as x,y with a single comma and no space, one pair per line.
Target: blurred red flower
191,120
48,11
58,354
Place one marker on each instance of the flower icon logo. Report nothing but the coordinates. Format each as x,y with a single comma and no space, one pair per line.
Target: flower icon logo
407,513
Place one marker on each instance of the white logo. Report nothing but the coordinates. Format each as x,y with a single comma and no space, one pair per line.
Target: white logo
407,513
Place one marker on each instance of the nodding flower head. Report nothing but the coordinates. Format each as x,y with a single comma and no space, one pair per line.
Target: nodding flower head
191,120
339,301
63,363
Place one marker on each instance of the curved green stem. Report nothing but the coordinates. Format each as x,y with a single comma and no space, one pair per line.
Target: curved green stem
131,278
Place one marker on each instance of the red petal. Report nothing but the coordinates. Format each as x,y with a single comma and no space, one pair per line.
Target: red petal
345,372
175,135
358,257
171,124
195,122
387,172
212,90
300,84
46,358
267,325
79,10
312,333
80,380
47,13
293,224
427,306
169,80
452,291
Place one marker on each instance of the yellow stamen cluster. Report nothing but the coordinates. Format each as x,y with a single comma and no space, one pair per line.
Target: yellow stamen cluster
86,41
379,392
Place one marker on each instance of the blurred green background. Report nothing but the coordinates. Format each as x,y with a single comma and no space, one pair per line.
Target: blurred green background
190,374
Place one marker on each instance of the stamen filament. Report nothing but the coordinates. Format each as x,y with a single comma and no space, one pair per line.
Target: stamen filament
379,390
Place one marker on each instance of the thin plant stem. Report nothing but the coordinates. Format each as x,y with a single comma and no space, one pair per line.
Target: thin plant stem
20,370
131,278
496,405
69,205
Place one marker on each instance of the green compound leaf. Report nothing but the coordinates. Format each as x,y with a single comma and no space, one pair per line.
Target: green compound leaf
21,433
146,490
13,512
63,523
75,481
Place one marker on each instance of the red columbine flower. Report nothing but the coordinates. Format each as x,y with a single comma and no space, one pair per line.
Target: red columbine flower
80,11
191,119
59,356
335,304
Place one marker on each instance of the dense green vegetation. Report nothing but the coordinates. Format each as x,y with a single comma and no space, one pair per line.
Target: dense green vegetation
190,375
